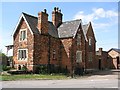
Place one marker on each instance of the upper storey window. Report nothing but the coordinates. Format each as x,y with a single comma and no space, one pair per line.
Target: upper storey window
78,39
23,34
90,41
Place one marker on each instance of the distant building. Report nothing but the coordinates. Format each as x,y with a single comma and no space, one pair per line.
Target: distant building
115,55
103,60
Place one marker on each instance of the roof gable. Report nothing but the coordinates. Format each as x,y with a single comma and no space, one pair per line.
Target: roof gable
68,29
87,28
20,19
115,49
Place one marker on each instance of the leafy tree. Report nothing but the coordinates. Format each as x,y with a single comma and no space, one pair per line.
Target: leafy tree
3,58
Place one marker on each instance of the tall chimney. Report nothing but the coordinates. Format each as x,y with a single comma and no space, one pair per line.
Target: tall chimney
57,17
42,24
100,50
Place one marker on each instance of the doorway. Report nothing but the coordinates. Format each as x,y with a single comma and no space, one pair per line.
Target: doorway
118,62
99,66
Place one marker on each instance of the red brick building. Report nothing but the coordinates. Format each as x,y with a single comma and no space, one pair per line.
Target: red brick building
68,44
104,61
114,54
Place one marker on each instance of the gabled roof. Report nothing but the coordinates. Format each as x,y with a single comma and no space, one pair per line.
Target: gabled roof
68,29
115,49
32,24
65,30
85,28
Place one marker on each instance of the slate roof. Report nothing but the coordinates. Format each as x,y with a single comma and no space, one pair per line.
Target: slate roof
32,21
85,28
68,29
115,49
65,30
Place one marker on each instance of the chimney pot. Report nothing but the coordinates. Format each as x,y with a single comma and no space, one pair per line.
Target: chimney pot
45,11
56,17
60,11
55,9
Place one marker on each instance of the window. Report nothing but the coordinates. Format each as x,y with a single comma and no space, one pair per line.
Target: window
22,54
90,41
23,35
54,54
90,56
79,56
78,39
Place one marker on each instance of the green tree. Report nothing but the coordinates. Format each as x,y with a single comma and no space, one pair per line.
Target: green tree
3,58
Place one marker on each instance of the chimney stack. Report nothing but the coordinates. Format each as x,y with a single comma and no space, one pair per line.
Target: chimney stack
42,24
100,50
57,17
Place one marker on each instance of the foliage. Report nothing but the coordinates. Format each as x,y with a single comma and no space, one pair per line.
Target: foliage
5,68
41,69
24,68
3,58
33,76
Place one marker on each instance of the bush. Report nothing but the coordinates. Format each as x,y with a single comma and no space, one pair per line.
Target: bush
5,68
24,68
41,69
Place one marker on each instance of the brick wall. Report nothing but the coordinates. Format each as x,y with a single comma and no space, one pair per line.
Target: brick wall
90,49
23,45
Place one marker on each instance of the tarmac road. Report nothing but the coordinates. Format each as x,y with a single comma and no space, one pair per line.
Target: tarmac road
98,80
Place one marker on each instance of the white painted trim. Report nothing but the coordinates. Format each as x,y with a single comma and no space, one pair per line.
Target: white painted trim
76,30
20,35
27,24
22,16
26,55
84,34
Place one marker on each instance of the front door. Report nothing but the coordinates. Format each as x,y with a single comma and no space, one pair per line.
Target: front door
99,66
118,62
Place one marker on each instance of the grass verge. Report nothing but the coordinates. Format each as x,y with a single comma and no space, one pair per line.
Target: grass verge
31,77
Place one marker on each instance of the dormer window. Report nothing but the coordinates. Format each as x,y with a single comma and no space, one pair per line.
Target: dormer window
23,34
78,39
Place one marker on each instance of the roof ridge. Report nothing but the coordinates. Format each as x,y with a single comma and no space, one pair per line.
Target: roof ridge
28,15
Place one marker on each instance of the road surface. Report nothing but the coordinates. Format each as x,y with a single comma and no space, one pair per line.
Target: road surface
98,80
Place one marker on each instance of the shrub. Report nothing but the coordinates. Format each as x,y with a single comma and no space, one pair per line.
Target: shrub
5,68
24,68
41,69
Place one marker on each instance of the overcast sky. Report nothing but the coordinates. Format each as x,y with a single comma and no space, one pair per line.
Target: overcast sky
103,15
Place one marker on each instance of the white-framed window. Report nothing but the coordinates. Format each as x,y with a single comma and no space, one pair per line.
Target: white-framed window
79,56
22,54
23,34
90,56
90,41
78,39
54,54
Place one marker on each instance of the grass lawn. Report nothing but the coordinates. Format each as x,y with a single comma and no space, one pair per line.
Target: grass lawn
31,77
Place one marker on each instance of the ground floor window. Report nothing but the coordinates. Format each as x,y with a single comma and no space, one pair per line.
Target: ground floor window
22,54
90,56
79,56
